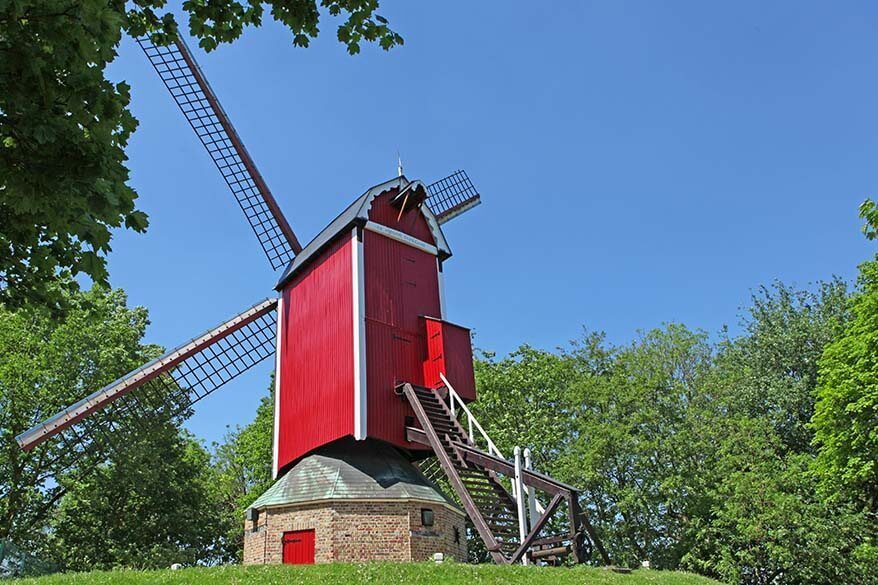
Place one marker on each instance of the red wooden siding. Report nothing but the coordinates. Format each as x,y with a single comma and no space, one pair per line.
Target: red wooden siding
298,547
317,367
401,284
412,221
449,351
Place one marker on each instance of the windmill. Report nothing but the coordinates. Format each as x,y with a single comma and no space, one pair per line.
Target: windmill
372,381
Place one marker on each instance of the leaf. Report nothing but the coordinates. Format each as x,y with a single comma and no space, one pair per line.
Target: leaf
137,221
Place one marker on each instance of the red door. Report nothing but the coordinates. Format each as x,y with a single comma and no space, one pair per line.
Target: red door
299,547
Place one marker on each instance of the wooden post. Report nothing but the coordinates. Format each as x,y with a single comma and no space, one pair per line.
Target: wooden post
519,502
531,493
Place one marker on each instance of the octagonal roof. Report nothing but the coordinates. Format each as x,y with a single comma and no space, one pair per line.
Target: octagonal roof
351,470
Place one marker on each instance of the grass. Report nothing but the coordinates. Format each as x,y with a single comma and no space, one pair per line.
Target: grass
377,573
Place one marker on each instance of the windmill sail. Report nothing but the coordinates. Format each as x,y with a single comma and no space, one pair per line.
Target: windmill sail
167,386
184,79
451,196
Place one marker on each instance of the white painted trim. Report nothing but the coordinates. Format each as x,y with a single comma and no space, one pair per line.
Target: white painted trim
277,352
442,312
401,237
462,209
518,494
359,324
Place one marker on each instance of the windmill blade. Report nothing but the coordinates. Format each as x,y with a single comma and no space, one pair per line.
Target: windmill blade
451,196
180,73
167,386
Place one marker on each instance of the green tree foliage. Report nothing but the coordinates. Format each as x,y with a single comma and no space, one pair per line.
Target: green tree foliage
770,373
242,467
846,417
147,508
46,363
642,433
769,523
537,413
692,453
620,423
64,126
869,213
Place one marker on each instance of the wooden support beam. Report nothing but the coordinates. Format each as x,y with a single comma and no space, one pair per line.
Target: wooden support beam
537,527
415,435
576,536
589,529
551,552
529,477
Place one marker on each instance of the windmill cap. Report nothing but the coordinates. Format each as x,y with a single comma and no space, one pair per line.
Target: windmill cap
357,213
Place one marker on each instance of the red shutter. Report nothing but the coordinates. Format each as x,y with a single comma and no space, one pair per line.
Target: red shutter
299,547
449,352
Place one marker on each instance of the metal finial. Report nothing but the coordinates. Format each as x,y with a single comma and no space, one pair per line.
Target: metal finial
398,164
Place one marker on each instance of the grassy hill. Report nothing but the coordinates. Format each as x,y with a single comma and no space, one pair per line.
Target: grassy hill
374,573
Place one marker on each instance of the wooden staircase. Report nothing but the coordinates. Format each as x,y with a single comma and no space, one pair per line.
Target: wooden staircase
473,475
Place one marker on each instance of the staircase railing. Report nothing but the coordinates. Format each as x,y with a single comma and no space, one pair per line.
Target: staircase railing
456,404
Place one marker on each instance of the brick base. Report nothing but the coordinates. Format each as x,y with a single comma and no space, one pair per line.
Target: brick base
358,530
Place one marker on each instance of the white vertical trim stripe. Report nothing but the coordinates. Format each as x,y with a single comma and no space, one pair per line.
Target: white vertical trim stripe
277,354
442,312
359,324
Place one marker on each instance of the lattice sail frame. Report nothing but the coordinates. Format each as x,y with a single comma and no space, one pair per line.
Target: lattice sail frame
451,196
185,81
168,386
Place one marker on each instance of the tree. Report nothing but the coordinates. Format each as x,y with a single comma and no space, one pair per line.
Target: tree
770,372
621,423
694,454
46,363
846,415
64,127
768,521
523,399
642,444
242,466
150,506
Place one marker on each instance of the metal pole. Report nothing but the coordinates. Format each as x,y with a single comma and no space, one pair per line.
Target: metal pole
519,501
531,493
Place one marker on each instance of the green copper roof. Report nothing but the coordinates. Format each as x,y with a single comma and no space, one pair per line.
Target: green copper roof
349,469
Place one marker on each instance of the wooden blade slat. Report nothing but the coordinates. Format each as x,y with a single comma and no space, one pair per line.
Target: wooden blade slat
181,75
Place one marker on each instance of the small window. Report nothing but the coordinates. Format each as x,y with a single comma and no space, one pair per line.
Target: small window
456,535
426,517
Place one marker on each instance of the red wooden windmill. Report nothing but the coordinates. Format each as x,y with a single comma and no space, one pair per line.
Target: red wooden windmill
369,375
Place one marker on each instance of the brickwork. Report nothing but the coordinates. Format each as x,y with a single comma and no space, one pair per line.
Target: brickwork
376,531
447,535
352,531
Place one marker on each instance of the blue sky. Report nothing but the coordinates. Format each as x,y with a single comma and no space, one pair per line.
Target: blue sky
639,162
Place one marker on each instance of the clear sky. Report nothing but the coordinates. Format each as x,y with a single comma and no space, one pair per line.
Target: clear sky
639,162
